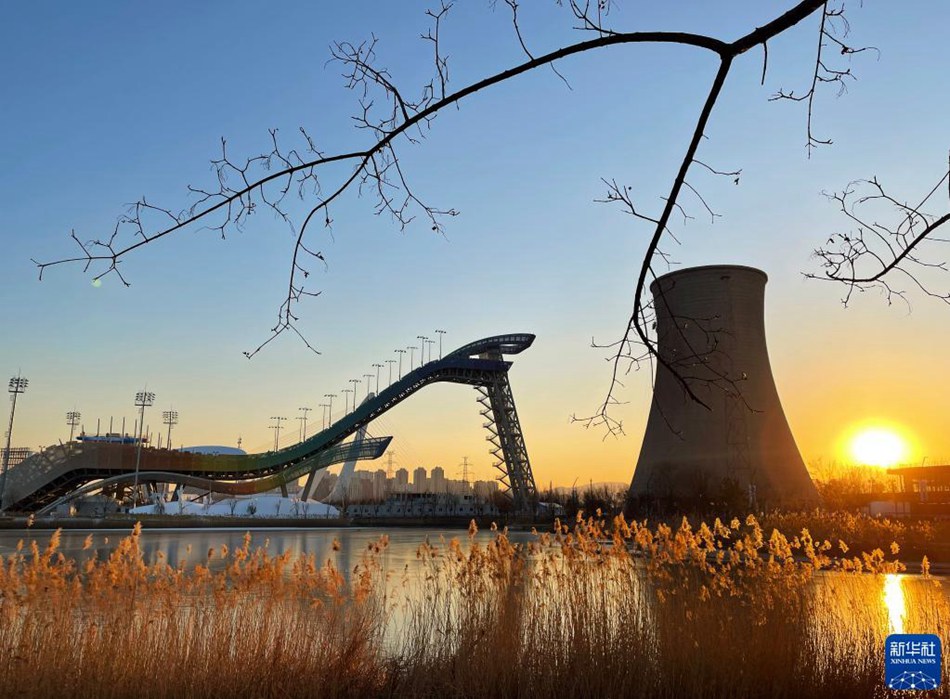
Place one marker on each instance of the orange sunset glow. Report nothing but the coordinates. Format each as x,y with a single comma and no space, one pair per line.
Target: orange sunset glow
878,445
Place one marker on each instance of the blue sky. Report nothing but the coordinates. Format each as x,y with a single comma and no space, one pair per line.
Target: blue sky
105,102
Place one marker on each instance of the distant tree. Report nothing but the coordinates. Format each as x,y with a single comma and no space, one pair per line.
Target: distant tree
871,254
502,502
609,501
850,486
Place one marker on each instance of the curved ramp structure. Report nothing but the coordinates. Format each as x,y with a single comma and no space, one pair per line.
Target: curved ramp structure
367,449
47,477
53,474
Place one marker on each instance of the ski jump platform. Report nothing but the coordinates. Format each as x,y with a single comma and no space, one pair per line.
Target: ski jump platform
62,472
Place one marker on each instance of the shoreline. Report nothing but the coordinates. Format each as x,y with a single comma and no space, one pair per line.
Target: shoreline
124,522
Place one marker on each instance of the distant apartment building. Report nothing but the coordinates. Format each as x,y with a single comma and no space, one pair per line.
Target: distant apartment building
380,485
368,487
419,480
484,490
402,481
360,487
437,483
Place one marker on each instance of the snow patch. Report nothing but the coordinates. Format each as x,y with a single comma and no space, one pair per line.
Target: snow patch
257,506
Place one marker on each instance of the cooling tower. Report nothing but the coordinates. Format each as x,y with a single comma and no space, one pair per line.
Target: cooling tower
711,335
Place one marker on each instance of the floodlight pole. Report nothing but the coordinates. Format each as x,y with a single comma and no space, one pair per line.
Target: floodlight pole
368,384
331,396
400,352
303,419
440,333
170,417
422,344
377,366
143,399
17,386
277,428
346,400
430,343
72,419
390,362
355,382
412,356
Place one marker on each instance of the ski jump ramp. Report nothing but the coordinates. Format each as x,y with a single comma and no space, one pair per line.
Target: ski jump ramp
64,471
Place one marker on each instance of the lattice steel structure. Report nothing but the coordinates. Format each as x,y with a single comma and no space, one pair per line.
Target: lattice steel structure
507,440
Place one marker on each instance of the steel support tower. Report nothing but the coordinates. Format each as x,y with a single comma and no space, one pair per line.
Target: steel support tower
507,439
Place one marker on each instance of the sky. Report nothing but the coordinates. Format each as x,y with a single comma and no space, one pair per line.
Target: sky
106,102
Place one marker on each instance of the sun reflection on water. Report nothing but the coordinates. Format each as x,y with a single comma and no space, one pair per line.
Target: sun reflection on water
894,601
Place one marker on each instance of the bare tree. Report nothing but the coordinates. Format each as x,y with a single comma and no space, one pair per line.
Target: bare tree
397,117
891,243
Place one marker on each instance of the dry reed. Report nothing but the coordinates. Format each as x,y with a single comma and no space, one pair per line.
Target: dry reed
605,609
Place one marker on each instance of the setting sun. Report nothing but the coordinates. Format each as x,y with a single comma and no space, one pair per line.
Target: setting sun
879,446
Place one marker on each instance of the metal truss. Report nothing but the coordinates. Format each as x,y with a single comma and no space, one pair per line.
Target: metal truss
507,440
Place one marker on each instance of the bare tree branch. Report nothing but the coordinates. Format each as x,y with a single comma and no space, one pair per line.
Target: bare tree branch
832,32
394,117
872,254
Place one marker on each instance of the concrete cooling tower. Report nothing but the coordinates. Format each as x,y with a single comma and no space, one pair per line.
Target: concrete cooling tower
711,331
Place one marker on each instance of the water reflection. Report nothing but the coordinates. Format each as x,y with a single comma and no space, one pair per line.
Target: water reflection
842,607
894,602
343,546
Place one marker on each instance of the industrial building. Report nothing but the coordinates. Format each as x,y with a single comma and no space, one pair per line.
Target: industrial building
924,491
729,443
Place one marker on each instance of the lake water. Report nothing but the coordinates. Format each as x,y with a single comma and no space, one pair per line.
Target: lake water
351,543
192,545
837,615
844,607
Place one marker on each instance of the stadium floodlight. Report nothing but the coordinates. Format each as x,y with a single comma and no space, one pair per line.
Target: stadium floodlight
72,419
400,352
303,422
331,396
143,400
377,366
17,386
346,400
277,428
422,355
390,362
440,333
368,383
170,417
